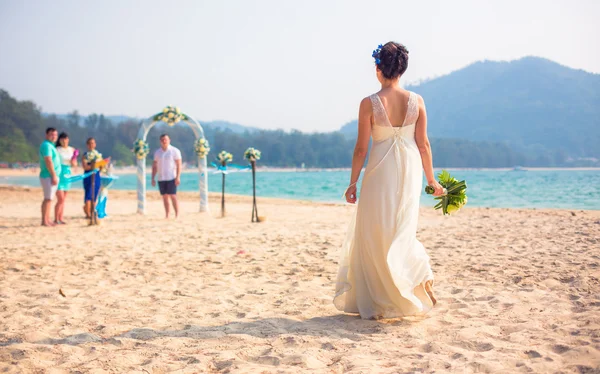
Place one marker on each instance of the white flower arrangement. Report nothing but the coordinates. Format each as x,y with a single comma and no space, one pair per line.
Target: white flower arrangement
170,115
93,156
224,156
252,154
140,148
201,147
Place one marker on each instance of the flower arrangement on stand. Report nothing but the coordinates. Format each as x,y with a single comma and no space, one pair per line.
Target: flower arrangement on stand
223,158
253,155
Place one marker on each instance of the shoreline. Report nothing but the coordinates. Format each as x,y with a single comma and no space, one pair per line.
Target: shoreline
215,198
7,172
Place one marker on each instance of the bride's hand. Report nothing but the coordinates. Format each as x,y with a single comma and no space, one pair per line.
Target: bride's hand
438,189
351,194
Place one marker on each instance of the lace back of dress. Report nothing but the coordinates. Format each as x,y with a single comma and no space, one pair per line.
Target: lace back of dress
412,111
380,115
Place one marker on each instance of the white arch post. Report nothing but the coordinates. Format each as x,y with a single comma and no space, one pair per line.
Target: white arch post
145,127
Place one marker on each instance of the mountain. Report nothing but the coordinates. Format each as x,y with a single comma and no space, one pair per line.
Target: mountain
115,120
530,112
532,104
224,125
350,129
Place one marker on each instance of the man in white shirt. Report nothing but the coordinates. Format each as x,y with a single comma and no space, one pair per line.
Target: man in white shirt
167,164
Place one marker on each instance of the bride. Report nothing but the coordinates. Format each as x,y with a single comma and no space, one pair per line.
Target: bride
384,270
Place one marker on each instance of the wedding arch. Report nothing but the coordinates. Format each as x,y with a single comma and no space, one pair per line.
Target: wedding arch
170,115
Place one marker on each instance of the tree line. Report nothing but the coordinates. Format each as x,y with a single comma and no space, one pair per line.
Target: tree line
22,129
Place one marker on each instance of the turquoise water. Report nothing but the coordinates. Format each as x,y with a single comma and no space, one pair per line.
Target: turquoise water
567,189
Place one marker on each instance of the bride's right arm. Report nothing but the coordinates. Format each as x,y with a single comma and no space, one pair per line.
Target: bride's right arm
365,115
425,148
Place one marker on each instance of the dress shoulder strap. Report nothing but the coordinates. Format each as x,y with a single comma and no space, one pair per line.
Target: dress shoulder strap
412,110
379,113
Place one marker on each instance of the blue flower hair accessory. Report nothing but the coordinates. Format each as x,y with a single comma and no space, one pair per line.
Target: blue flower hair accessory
376,54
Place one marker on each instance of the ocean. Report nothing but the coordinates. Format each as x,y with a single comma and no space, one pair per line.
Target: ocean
561,189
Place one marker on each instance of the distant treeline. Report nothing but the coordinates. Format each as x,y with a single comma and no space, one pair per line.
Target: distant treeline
22,127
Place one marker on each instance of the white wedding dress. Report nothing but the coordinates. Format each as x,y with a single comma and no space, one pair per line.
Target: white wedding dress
383,267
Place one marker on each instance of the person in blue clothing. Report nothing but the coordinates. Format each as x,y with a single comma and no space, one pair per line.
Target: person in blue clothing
49,173
89,194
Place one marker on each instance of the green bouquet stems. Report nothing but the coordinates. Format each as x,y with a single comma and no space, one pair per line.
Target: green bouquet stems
455,196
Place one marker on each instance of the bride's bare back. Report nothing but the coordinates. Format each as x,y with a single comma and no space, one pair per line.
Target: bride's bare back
395,102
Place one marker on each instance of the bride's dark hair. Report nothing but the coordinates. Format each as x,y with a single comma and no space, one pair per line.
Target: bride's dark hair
391,59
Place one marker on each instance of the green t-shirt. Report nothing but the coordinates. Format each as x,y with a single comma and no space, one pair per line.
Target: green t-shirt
48,149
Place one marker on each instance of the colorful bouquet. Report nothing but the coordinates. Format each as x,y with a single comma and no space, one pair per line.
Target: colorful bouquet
252,154
140,148
224,157
201,147
455,196
93,156
170,115
96,158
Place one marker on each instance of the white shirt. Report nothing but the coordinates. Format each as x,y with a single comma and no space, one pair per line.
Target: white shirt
66,154
165,161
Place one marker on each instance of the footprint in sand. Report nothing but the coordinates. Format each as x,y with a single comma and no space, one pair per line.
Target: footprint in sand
429,348
477,347
17,354
478,367
222,365
140,334
560,349
268,360
533,354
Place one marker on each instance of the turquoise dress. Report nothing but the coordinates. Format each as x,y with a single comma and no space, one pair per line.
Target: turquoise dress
66,155
63,183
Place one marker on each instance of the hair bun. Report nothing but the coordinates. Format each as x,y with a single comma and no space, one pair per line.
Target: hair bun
391,59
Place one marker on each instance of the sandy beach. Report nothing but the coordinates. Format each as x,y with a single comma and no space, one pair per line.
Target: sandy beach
518,291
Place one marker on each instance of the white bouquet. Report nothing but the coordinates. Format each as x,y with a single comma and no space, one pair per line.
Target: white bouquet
252,154
224,157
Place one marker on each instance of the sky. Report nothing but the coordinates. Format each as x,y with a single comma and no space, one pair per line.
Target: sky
270,64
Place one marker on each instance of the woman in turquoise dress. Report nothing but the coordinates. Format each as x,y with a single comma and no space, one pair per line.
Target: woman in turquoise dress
68,158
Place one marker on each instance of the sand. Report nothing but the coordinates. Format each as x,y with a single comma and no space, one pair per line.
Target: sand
518,291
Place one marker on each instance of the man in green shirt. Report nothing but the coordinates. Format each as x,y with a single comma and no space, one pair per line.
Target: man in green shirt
49,172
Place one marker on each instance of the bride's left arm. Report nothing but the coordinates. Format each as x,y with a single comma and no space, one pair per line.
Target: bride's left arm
425,148
365,115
